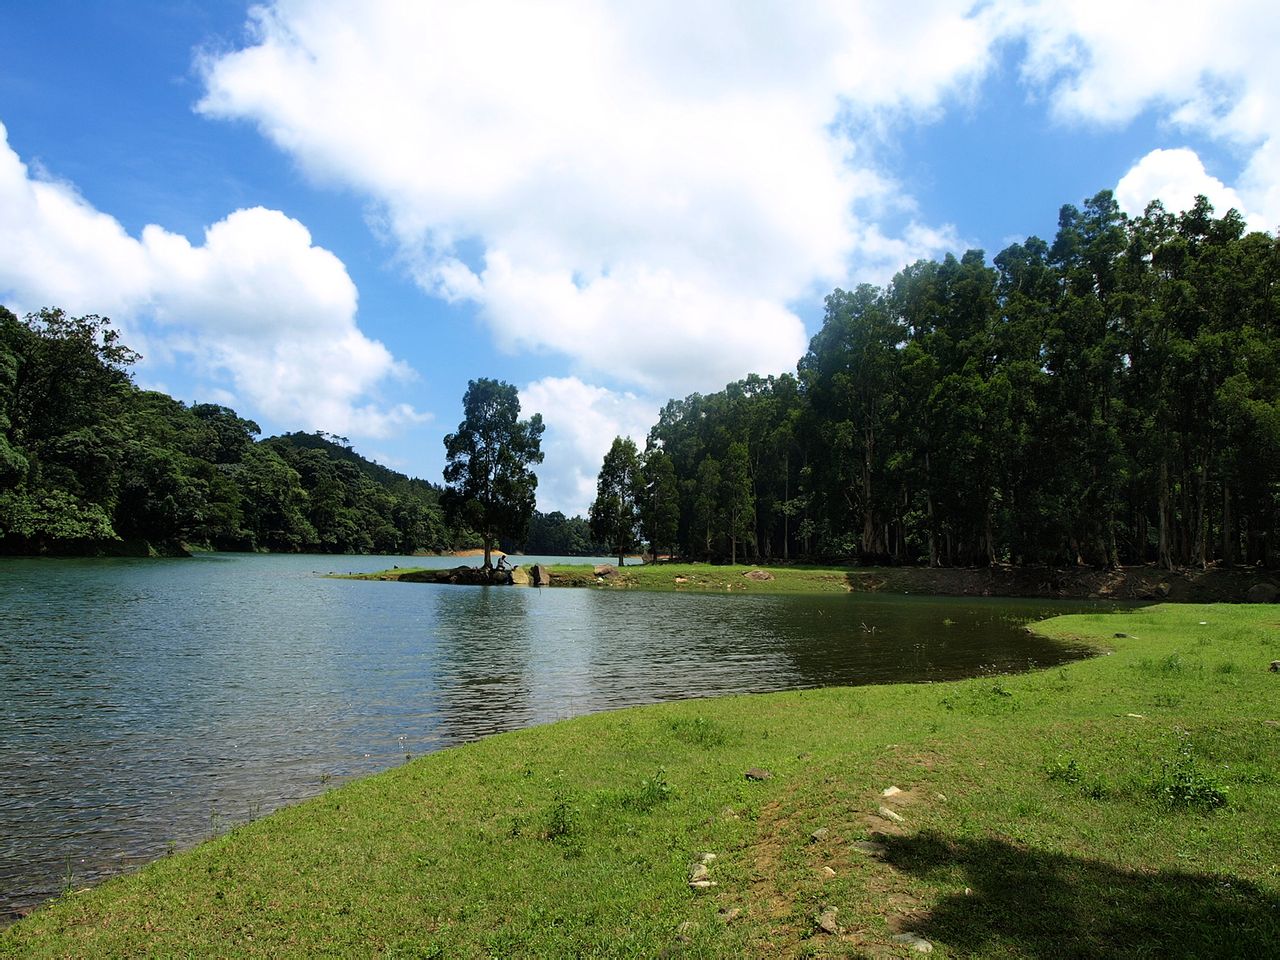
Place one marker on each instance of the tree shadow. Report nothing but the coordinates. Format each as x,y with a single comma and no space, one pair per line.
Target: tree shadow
1029,903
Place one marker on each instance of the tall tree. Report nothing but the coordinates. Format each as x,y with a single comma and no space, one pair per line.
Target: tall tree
615,513
660,509
490,485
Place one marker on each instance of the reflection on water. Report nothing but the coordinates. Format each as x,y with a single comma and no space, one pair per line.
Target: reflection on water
148,703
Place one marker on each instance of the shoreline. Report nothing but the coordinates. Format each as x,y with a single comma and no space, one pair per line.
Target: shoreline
1134,788
1144,583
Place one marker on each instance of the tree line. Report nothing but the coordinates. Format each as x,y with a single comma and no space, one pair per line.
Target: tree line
90,463
1110,397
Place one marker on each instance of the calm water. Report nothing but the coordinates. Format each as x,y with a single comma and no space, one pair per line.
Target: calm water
145,704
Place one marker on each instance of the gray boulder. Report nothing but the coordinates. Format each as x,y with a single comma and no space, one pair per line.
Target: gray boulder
1263,593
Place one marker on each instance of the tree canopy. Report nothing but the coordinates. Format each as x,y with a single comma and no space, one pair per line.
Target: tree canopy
615,512
490,485
1110,397
91,464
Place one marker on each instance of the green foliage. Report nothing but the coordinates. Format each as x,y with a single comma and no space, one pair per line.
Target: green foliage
490,486
1110,397
555,535
1183,783
615,512
699,730
87,461
651,792
564,819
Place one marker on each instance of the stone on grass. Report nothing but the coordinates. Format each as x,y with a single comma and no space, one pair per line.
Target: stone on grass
730,915
828,872
917,943
707,858
871,848
1275,666
702,884
758,575
819,835
826,920
890,792
891,815
604,570
520,577
755,773
541,575
698,872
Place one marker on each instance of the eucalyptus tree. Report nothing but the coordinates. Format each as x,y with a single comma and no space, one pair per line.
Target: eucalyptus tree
660,507
615,512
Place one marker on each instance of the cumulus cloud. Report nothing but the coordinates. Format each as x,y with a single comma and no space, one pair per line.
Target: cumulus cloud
640,188
1204,67
256,303
1175,178
582,419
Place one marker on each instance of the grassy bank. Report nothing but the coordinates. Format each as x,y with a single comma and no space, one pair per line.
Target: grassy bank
1127,805
1127,583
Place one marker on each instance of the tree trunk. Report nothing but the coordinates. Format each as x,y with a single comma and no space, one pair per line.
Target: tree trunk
488,549
1165,558
1228,530
991,540
928,499
868,514
1200,547
786,503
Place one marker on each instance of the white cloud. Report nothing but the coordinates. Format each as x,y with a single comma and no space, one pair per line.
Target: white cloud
1209,68
582,419
1175,178
648,186
256,303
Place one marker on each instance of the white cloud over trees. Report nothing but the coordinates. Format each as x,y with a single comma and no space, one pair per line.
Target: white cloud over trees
256,304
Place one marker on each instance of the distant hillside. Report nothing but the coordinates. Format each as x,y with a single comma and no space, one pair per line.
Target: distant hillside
90,464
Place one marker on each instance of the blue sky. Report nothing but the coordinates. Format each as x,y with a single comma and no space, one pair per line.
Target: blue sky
331,215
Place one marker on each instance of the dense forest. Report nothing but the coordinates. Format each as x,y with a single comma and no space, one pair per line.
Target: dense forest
89,463
1110,397
555,535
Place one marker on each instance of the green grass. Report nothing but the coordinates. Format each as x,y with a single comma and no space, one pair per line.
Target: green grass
706,577
668,577
1124,806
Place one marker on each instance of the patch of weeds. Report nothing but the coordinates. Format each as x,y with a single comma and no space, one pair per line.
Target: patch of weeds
1167,700
1227,666
651,792
699,731
1171,666
1068,770
1182,783
979,700
517,828
1064,770
563,820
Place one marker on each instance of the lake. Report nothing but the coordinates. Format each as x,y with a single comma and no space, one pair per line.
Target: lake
148,704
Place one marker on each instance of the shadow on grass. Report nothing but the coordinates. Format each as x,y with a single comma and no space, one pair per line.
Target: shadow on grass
1026,903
